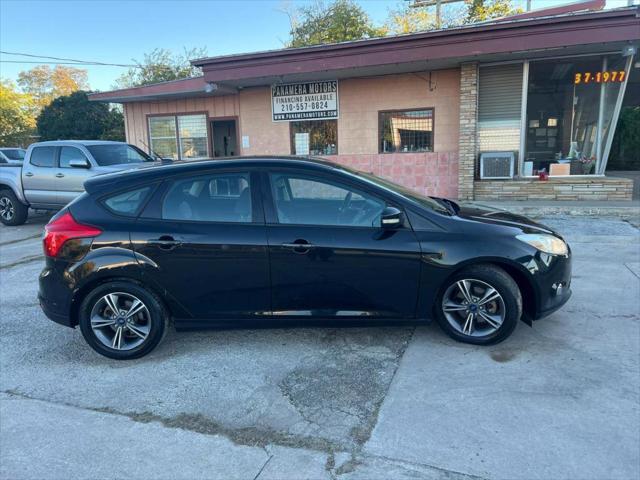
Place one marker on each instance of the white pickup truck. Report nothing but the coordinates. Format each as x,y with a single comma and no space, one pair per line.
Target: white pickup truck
53,174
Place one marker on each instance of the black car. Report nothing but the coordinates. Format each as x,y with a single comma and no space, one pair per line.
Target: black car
217,243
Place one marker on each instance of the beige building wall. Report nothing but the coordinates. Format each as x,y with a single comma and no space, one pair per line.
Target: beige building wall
362,98
265,136
432,173
360,101
136,113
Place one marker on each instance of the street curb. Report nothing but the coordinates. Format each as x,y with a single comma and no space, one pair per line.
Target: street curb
630,211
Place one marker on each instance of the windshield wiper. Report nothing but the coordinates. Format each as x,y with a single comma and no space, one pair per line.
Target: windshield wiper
447,204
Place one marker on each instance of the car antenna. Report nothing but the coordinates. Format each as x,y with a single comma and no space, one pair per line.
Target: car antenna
151,149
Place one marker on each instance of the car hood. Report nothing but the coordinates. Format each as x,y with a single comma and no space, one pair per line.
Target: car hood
486,214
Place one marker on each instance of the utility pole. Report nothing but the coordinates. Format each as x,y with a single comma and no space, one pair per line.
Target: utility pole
430,3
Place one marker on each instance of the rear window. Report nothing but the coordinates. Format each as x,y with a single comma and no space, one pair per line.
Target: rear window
43,156
117,154
14,153
127,203
213,198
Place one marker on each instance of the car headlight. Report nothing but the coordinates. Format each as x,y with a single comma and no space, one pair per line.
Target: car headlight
545,243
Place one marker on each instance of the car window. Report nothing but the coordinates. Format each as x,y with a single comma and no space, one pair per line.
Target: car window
43,156
117,154
129,202
306,200
224,197
70,153
14,153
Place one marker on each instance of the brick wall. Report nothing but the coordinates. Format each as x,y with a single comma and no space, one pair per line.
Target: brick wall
468,129
597,188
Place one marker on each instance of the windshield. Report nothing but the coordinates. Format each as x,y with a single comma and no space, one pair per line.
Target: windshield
422,200
14,153
117,154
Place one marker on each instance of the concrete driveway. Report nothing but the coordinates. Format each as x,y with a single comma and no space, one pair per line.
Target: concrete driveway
560,400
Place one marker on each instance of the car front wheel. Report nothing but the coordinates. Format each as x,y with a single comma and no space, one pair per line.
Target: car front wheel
480,305
122,320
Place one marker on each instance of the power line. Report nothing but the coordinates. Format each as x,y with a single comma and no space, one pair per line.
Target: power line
74,60
64,63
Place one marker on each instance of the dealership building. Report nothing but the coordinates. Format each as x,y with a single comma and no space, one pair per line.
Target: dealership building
516,109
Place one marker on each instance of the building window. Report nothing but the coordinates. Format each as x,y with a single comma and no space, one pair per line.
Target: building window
181,138
318,137
192,132
406,131
162,133
570,105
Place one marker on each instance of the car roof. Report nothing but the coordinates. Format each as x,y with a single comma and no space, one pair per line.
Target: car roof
2,149
161,170
86,143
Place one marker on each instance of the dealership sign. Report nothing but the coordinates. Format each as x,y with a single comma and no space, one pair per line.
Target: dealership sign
304,101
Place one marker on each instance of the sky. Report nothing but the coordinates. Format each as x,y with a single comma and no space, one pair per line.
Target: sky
117,31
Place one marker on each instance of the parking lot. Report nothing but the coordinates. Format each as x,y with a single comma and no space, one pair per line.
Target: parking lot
559,400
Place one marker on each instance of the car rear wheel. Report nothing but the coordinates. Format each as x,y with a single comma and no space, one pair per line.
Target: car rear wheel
12,211
480,305
122,320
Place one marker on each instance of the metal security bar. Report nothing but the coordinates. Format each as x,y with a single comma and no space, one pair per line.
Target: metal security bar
406,131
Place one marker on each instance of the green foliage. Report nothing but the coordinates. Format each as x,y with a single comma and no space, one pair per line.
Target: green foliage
405,19
17,122
75,117
161,65
339,21
625,151
408,19
482,10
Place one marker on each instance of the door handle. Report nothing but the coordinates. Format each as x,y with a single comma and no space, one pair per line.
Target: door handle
28,174
59,175
299,246
166,242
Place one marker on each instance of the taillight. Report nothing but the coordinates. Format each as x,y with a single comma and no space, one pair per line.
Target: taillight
62,229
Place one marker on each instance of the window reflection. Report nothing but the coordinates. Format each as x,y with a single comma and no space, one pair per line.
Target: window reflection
568,101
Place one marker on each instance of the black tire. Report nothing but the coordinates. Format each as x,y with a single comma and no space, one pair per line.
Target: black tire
505,286
18,212
158,319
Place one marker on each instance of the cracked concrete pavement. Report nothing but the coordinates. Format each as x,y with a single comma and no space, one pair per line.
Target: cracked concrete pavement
560,400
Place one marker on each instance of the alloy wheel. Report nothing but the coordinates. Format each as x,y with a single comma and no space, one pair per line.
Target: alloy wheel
7,210
473,308
120,321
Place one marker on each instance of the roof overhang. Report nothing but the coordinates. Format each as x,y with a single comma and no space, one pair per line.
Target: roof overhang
184,88
518,37
504,40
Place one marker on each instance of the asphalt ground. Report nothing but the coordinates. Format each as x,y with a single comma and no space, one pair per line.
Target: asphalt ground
559,400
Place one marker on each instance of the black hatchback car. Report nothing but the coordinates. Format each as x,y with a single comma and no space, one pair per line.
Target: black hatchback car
215,243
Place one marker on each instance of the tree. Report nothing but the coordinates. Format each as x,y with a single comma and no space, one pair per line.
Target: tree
408,19
44,83
320,23
482,10
17,121
75,117
161,65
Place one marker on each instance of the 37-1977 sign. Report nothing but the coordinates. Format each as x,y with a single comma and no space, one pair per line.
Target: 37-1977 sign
305,101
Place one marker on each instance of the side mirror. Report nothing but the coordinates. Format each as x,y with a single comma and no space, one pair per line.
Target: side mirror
390,218
79,163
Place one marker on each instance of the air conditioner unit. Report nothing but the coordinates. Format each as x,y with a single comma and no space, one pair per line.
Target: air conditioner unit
497,165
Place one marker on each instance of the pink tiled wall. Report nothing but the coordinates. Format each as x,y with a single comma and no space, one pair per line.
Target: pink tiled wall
433,174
